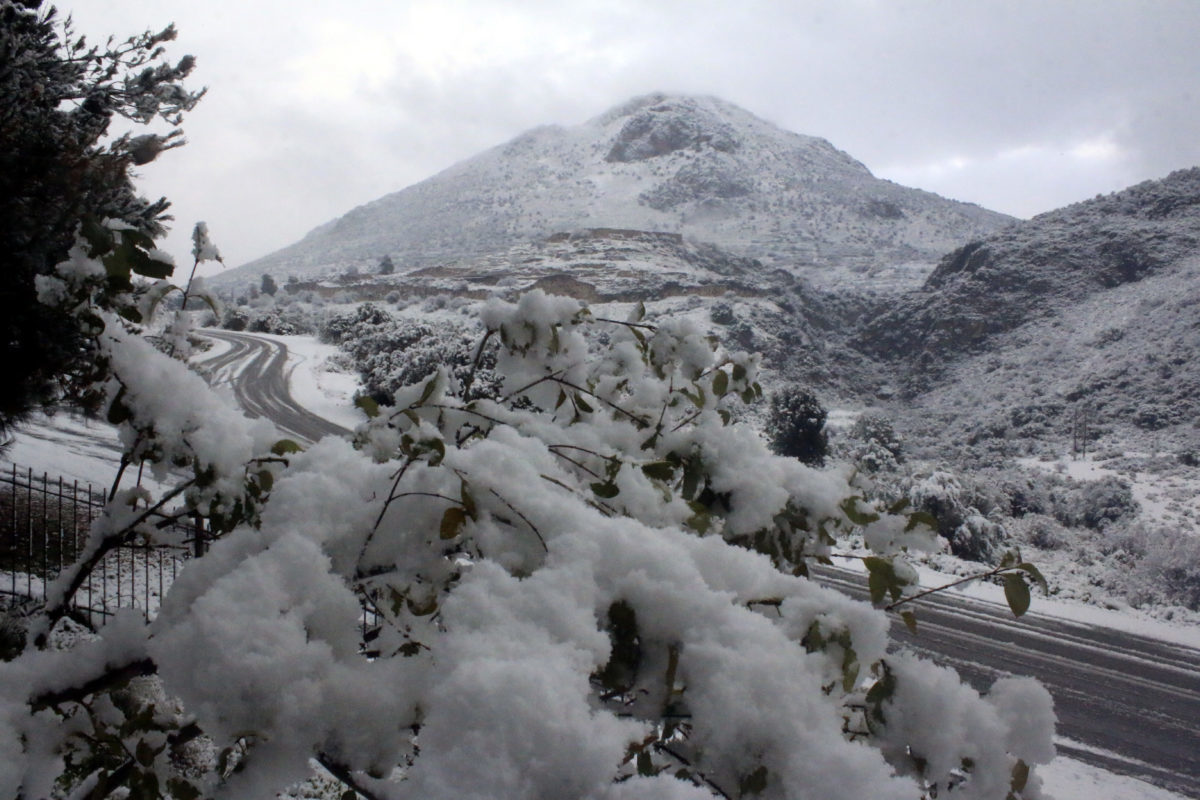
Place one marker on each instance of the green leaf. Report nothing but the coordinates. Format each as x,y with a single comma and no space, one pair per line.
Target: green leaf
879,694
1037,576
921,518
99,238
701,521
659,470
910,621
898,506
720,383
693,469
266,480
452,522
562,398
582,404
605,489
118,412
368,405
422,609
427,392
438,448
285,446
144,753
849,507
849,668
645,766
148,266
739,373
882,579
181,789
754,783
1016,591
672,669
468,502
621,671
1020,776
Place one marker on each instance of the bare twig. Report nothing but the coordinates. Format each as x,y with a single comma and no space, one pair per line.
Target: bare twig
512,508
115,676
346,776
951,585
470,379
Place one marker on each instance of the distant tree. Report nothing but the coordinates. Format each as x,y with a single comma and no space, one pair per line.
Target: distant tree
60,166
796,425
268,285
386,267
877,448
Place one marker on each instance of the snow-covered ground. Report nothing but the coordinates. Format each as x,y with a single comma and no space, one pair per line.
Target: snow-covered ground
1167,498
1067,779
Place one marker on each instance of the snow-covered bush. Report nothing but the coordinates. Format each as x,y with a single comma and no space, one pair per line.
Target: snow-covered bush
590,585
1103,501
335,328
873,445
390,353
955,504
795,425
1153,564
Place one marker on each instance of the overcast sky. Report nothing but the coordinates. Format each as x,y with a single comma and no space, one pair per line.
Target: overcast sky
316,107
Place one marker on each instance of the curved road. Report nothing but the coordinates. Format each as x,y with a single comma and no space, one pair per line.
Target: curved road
1126,703
256,369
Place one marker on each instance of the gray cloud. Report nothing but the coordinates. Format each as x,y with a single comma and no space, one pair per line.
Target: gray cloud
1019,105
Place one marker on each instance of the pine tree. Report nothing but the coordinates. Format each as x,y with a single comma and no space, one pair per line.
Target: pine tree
58,97
796,425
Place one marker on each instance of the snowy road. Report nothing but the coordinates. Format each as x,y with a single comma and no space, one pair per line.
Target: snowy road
256,369
1126,703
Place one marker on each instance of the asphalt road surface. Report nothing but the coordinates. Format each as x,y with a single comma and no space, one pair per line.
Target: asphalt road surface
1132,702
1126,703
256,368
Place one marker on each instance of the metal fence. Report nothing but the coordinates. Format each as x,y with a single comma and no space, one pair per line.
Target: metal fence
44,523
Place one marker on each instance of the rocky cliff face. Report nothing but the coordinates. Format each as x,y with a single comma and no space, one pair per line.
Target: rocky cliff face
1038,268
695,166
1092,310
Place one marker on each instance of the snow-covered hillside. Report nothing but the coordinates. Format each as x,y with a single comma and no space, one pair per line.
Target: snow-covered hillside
696,166
1092,310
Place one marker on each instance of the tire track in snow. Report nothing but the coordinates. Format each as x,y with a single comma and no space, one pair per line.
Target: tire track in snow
256,369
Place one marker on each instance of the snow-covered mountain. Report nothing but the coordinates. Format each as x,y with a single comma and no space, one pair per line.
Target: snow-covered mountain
1091,309
695,166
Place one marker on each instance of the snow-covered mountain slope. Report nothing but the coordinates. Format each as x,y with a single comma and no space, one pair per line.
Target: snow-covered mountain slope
1092,309
1038,268
801,330
695,166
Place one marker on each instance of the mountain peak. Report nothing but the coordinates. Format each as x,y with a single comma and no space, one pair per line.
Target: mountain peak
691,165
668,126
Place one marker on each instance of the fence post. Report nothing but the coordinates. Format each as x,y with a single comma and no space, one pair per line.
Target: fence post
198,537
